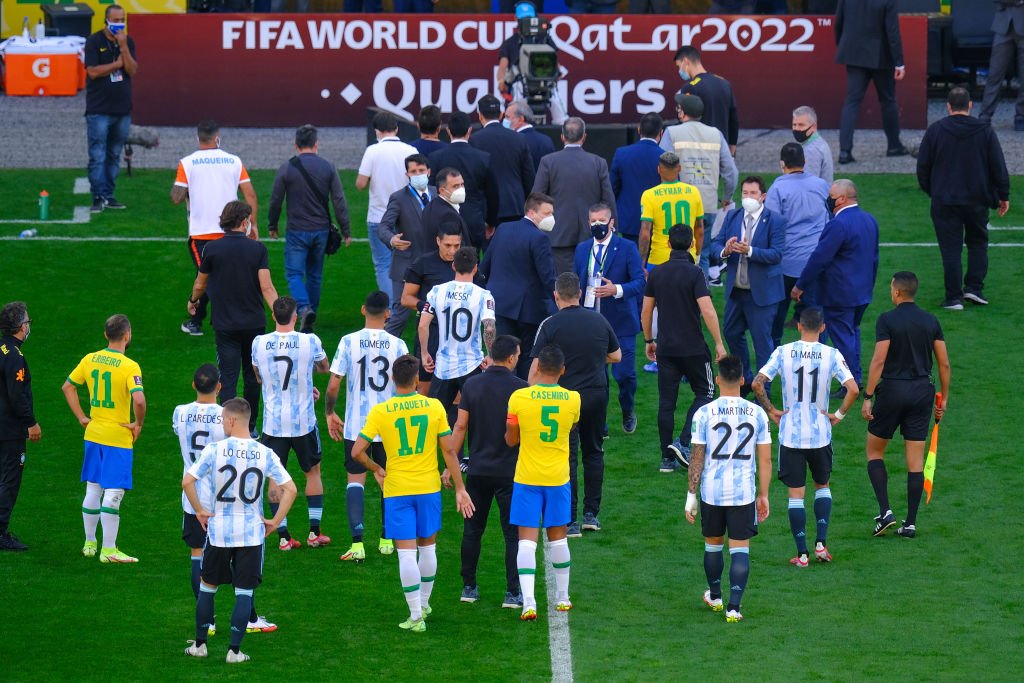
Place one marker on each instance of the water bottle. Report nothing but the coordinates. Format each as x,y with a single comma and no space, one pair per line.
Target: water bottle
24,30
31,232
40,31
44,205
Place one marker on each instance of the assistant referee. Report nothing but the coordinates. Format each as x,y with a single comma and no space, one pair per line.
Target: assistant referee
906,338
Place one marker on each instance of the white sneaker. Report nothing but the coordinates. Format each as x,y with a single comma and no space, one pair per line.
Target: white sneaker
232,658
261,625
715,604
733,616
194,650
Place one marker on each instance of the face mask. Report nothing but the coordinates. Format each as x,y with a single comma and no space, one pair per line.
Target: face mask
506,123
547,224
419,182
801,135
750,205
28,332
458,196
599,231
684,74
115,28
830,204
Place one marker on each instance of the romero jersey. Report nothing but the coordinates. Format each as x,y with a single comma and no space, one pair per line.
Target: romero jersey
666,205
285,361
111,378
545,414
460,308
365,358
409,425
196,425
231,474
731,428
806,370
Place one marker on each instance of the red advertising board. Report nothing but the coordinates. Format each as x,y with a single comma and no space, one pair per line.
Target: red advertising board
284,70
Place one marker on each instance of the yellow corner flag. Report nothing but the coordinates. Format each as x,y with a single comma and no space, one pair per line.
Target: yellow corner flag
929,463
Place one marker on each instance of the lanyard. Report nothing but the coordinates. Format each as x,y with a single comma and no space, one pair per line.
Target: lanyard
418,197
604,257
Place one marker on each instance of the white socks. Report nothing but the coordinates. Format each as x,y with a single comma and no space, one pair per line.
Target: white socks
527,563
560,563
409,572
428,569
91,510
110,516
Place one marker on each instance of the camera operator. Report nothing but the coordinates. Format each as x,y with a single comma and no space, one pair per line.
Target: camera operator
538,89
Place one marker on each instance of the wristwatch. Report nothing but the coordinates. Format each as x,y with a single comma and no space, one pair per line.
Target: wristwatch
866,396
649,341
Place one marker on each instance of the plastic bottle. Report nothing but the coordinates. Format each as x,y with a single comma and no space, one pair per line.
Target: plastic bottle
40,30
24,30
31,232
44,205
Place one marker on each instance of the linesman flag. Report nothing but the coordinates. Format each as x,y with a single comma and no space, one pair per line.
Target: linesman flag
929,463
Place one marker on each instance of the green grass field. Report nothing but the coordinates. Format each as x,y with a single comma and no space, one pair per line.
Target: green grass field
946,605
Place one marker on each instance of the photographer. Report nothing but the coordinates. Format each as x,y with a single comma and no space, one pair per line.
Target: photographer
538,89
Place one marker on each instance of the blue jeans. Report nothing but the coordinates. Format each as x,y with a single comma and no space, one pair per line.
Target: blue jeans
106,135
304,265
381,259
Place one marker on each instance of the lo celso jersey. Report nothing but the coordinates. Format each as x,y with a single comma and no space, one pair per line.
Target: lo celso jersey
285,362
365,358
806,370
460,308
731,428
196,425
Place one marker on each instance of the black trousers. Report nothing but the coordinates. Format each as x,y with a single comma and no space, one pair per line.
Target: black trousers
671,370
857,80
11,468
196,249
1004,47
234,353
779,324
483,490
955,225
526,332
588,437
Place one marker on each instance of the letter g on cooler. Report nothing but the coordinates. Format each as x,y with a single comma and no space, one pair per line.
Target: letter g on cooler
41,67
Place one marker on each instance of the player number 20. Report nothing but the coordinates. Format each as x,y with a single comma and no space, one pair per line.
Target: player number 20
225,495
726,434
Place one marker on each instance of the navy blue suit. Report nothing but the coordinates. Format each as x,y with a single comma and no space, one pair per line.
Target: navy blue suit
753,310
634,170
622,266
540,144
511,168
844,267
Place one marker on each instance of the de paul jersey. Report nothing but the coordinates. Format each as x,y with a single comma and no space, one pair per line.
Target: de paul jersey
196,426
365,358
460,308
731,428
285,362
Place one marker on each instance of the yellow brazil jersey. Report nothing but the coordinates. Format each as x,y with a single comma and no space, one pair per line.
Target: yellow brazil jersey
409,426
546,414
666,205
111,378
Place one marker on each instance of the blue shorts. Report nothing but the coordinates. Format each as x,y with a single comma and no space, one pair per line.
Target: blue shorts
532,504
409,517
108,466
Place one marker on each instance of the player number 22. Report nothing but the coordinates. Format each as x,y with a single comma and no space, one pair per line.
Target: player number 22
420,423
738,454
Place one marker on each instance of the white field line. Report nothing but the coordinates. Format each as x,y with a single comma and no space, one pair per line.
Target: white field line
558,629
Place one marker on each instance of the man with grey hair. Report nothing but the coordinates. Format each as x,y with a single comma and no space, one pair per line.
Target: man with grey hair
576,180
817,153
520,119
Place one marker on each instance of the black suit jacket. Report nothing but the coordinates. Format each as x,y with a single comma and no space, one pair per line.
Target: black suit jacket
404,214
576,180
540,144
436,211
474,165
868,34
511,167
520,272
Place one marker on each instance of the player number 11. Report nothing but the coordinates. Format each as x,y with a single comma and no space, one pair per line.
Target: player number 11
96,402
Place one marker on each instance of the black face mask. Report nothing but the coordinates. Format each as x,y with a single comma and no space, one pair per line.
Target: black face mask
599,231
801,135
830,204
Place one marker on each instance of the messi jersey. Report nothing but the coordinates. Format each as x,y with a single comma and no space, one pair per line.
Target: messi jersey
460,308
285,362
666,205
546,414
365,358
111,378
731,428
196,425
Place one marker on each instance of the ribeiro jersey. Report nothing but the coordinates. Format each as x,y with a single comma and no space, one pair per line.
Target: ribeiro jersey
545,414
111,378
731,428
365,358
285,362
196,425
460,308
666,205
806,370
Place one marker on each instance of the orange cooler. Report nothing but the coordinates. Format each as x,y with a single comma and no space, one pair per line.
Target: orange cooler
43,68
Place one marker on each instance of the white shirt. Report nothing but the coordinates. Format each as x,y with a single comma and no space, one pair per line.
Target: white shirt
285,361
730,427
757,219
365,358
196,424
604,255
212,177
460,308
384,164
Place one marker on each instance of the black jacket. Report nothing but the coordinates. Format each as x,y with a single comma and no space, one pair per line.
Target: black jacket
16,414
868,34
961,163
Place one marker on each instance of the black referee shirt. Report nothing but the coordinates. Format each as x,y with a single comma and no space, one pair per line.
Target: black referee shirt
911,333
676,285
586,338
233,263
429,271
485,398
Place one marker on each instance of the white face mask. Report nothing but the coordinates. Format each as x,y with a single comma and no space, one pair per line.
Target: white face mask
750,205
458,196
547,224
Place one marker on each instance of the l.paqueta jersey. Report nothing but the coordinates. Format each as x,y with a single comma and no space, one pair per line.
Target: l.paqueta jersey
460,309
196,425
731,428
365,358
546,414
285,361
666,205
111,378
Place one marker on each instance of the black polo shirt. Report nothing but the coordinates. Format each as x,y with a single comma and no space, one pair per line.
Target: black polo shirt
586,338
676,285
429,271
911,332
110,94
485,398
233,263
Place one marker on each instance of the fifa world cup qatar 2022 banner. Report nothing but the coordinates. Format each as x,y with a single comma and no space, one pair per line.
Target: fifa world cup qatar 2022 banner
289,69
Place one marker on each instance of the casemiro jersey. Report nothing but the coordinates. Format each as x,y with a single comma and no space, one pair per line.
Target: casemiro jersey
285,362
365,359
730,427
196,424
806,370
460,308
231,473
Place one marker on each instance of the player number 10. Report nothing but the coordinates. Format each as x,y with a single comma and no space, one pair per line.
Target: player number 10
680,211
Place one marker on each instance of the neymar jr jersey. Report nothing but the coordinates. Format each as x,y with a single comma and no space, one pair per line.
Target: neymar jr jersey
806,370
231,474
545,414
285,361
730,427
365,358
409,425
666,205
111,378
196,425
460,307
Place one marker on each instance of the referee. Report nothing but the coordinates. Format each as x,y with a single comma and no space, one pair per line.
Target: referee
905,340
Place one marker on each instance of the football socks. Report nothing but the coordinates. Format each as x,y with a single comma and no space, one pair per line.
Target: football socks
110,516
822,513
798,524
409,573
714,563
316,512
204,612
428,569
240,616
915,486
526,561
560,563
739,571
880,483
197,563
354,509
91,510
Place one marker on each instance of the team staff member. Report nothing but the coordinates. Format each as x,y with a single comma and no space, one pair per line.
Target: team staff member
17,418
907,338
633,171
713,90
817,153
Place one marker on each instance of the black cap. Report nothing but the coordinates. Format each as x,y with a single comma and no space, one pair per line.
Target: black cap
691,105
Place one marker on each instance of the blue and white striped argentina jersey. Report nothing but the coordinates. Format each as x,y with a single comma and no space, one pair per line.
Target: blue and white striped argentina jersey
231,473
730,427
806,370
285,362
196,424
365,359
460,308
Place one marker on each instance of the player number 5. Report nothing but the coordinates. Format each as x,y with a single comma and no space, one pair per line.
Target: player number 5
547,419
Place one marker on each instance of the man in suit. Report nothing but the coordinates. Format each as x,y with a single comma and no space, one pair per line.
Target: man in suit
1008,30
612,277
868,43
401,228
844,265
511,164
520,274
635,169
474,166
447,205
520,117
576,180
752,241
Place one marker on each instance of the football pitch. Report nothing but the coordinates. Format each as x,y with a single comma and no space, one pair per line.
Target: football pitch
946,605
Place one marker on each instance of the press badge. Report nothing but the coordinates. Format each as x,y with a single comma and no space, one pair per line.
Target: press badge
590,299
116,76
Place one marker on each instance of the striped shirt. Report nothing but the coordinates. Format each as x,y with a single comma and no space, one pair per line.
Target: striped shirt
196,424
365,359
285,361
731,428
460,308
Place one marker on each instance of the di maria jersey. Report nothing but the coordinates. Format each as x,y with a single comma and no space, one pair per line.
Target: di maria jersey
196,425
365,358
460,308
731,428
666,205
545,414
230,476
111,378
285,362
806,370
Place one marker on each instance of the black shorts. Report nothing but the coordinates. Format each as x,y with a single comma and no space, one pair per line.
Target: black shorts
907,404
241,567
307,448
433,340
447,390
192,532
739,520
376,451
794,462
